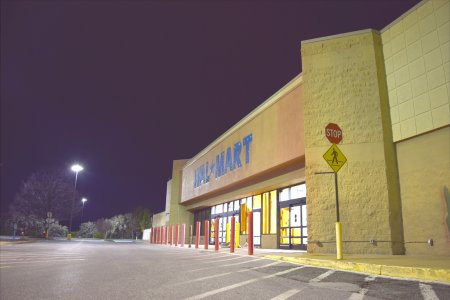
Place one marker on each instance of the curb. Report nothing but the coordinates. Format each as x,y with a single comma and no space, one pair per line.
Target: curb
10,243
418,273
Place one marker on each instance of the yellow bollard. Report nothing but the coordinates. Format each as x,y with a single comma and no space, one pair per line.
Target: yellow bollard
227,238
339,246
69,236
237,235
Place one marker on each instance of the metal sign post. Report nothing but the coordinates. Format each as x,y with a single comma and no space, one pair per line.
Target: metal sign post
339,244
336,159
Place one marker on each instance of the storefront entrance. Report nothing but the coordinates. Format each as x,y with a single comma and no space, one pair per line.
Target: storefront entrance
293,223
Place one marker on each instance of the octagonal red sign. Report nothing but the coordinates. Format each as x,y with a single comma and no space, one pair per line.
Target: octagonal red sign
333,133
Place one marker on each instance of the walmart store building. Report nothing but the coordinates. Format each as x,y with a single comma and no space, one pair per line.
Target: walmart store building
389,93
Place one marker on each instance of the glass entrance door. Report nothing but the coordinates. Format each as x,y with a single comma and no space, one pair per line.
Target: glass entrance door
285,239
293,230
257,228
292,213
294,226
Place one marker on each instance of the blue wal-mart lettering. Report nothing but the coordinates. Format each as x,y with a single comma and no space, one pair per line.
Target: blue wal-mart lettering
226,161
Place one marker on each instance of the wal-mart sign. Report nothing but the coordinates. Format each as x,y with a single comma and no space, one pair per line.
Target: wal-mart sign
226,161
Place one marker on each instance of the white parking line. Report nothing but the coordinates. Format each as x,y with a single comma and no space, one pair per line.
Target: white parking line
225,274
209,256
222,266
20,254
39,261
242,262
322,276
427,292
236,285
261,267
286,295
363,291
38,257
220,260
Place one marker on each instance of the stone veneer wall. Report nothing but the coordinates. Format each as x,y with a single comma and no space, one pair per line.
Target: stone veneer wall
344,83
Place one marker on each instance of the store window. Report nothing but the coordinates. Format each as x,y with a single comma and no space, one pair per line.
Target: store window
256,202
223,212
201,216
246,206
269,212
284,194
298,191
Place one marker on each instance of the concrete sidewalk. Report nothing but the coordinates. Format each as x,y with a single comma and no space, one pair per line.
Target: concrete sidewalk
429,268
411,267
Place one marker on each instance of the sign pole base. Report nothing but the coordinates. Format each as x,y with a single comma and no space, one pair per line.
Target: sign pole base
339,245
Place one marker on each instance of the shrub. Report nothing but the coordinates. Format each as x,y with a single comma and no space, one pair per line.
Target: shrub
57,230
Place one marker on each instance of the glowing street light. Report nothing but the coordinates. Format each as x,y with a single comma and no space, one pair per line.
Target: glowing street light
82,209
76,168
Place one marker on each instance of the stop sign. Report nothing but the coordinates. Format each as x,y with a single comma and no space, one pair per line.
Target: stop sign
333,133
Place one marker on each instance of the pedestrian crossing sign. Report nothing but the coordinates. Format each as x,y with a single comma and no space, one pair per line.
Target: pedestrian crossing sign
335,158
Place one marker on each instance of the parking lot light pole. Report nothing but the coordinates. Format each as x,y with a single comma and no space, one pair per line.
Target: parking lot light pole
75,168
82,209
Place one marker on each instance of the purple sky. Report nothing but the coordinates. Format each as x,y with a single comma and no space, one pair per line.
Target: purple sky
125,87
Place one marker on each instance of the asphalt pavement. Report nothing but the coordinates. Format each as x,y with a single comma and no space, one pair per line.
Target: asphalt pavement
137,270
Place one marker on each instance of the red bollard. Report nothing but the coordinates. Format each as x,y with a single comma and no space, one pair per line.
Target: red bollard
232,236
206,234
170,235
151,235
176,235
250,233
165,235
190,236
216,235
158,236
197,233
183,233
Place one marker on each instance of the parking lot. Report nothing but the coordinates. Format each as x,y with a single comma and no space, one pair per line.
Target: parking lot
136,270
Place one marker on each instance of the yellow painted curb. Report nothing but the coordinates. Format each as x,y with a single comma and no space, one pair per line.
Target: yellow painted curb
441,275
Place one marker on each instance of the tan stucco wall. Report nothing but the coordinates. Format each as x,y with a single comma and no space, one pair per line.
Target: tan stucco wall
424,170
269,241
273,182
159,219
177,213
416,51
344,83
277,138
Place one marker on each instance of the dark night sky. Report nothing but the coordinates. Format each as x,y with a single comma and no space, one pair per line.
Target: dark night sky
125,87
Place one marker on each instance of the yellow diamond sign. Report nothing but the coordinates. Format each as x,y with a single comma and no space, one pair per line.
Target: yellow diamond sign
335,158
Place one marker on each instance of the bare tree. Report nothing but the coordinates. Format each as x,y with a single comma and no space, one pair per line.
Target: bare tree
45,191
142,219
104,226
